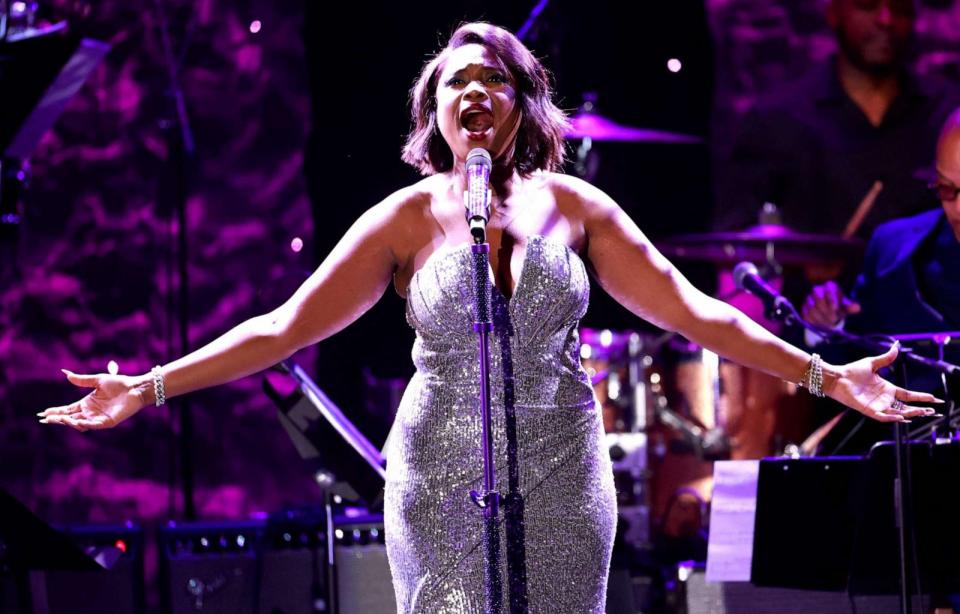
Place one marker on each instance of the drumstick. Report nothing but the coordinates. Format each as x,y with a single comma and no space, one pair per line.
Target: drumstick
865,206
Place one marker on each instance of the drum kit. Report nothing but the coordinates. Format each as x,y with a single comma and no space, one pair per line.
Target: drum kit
670,408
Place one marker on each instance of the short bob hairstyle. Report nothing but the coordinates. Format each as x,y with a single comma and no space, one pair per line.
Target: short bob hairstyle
539,141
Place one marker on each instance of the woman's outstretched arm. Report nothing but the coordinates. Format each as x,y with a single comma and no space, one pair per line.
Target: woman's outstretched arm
348,282
634,272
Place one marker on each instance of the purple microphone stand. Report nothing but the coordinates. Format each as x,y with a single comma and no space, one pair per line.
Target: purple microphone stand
477,204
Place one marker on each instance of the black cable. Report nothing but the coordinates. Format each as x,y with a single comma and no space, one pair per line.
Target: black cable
180,148
853,601
908,504
853,431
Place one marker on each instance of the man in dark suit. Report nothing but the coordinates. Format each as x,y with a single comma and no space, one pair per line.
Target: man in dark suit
910,281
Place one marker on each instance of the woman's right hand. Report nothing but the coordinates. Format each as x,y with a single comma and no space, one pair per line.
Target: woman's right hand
114,399
827,306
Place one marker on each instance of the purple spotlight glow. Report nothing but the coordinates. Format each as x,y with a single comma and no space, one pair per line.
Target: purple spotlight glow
674,65
296,244
255,26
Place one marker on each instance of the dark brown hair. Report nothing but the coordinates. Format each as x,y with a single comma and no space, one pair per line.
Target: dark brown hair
539,141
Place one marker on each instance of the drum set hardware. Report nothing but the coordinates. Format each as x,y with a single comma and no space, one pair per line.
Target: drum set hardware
641,380
588,126
670,408
773,244
690,407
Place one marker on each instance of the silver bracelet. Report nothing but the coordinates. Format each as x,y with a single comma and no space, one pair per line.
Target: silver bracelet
159,391
813,376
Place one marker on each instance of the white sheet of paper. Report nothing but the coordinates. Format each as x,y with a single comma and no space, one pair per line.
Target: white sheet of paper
732,517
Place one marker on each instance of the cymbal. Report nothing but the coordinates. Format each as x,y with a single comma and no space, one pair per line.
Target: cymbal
599,128
761,244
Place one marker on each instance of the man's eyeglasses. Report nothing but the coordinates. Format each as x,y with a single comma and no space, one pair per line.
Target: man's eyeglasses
944,191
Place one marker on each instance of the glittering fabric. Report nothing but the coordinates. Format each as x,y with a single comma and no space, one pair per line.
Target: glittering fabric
559,515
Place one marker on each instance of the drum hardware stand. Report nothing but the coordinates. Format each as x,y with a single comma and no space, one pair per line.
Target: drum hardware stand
785,312
706,443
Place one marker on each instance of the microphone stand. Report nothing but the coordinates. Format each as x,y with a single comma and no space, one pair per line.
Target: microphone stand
489,500
781,309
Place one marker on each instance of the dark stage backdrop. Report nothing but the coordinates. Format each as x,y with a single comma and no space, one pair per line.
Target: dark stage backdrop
307,107
94,274
761,44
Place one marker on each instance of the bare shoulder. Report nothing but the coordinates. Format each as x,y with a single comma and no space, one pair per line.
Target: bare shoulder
402,218
408,219
406,205
579,199
572,191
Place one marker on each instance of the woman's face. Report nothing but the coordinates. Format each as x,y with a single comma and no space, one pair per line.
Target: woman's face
476,102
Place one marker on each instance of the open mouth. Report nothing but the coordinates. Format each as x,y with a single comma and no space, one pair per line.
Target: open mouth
477,121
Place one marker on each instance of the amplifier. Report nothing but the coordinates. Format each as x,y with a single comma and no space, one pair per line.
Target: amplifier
293,564
359,573
209,567
119,589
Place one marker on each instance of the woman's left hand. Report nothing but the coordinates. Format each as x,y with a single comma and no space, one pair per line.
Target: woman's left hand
858,386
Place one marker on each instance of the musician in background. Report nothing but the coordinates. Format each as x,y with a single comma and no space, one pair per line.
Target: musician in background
910,281
850,135
840,151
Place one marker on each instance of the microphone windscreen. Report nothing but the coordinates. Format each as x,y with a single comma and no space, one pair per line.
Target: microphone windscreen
741,271
479,155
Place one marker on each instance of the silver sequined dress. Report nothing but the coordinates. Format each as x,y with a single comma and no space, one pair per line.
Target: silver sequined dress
548,445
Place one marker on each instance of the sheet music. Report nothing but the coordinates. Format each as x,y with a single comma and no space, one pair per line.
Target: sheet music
732,519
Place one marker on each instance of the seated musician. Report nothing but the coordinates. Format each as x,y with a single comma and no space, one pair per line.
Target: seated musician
910,282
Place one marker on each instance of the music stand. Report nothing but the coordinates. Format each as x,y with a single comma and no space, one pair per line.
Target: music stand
327,440
932,503
830,524
28,545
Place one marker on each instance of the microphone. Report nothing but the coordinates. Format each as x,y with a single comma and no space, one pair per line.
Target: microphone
477,197
746,277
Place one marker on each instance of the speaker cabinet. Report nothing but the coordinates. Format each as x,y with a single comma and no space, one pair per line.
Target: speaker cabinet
118,589
359,573
210,567
293,569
